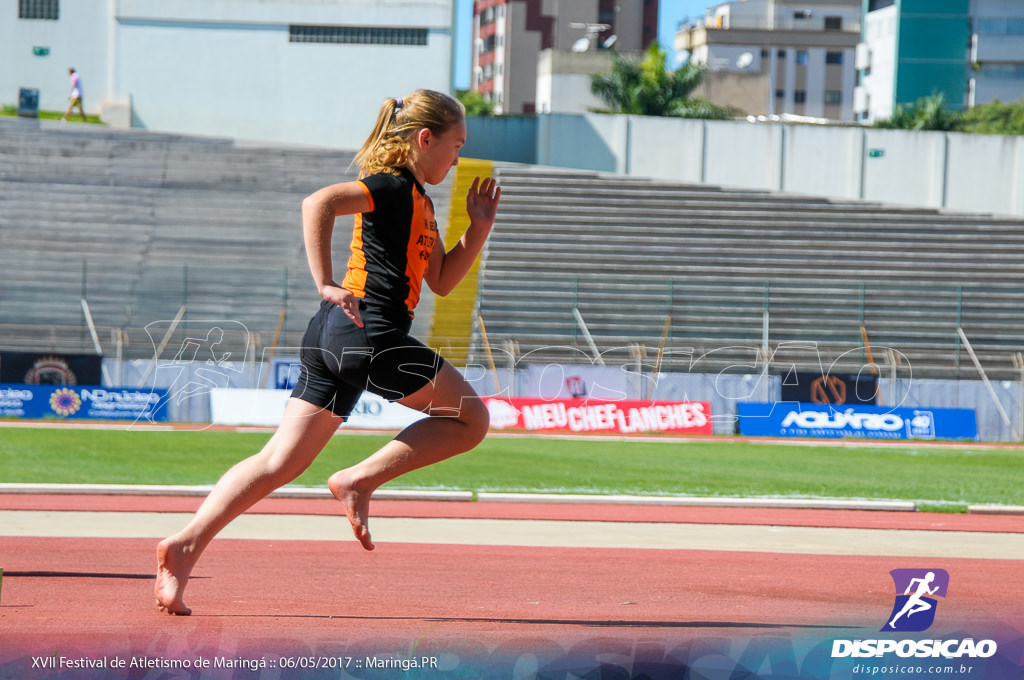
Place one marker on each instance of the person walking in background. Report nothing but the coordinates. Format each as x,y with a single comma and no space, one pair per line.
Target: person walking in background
76,96
359,339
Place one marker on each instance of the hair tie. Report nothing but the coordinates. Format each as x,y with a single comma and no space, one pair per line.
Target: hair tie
398,103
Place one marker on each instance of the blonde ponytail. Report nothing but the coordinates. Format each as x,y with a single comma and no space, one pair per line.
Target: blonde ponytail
387,147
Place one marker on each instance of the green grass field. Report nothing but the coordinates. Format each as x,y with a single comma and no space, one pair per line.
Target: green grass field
12,111
937,478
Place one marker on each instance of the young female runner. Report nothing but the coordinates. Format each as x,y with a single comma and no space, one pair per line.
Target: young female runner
359,340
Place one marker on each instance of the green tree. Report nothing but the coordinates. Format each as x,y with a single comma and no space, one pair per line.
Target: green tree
649,88
927,113
996,118
476,104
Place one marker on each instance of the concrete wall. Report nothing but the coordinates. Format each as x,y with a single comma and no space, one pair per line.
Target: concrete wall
742,155
969,173
822,161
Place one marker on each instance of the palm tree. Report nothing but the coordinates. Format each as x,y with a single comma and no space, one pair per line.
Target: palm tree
927,113
648,88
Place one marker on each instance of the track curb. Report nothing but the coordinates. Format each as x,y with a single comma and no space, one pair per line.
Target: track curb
299,492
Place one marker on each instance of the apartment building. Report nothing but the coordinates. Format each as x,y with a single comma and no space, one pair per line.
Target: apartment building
776,57
509,36
970,51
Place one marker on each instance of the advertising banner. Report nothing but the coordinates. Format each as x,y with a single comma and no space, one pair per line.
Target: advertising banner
561,381
833,388
32,368
591,415
786,419
233,406
82,403
282,373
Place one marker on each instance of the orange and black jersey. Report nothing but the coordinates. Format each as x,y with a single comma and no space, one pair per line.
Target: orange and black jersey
392,242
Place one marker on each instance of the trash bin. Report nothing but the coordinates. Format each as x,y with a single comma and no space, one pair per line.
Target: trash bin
28,102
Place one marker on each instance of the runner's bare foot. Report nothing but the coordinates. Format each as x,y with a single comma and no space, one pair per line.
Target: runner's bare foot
171,578
356,504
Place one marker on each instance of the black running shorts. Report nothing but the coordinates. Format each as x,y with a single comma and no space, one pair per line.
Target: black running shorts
340,359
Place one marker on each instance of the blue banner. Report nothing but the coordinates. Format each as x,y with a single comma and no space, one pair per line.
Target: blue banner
789,419
81,402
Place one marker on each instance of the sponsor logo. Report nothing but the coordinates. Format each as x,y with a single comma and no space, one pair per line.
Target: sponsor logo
15,394
121,396
838,420
65,402
922,425
828,390
50,371
503,414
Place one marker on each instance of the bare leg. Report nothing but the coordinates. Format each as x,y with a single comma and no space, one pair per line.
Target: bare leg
304,431
458,422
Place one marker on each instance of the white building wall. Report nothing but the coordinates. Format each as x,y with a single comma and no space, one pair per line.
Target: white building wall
65,40
849,84
226,68
815,82
566,93
878,86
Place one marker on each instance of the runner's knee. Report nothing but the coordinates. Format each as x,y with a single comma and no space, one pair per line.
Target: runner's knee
476,418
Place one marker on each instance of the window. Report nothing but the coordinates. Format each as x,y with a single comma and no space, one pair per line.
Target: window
833,57
802,57
800,97
1000,26
764,54
833,97
1000,71
880,4
779,94
782,54
358,35
802,14
833,23
39,9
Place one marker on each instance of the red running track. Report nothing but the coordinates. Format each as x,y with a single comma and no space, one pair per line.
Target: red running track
309,597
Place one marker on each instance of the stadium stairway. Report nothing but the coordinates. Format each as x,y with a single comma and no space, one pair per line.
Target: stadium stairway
692,270
141,224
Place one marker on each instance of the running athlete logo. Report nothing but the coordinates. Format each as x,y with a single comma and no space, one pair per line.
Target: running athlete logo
914,610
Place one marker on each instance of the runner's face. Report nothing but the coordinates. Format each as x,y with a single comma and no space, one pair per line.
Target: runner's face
441,153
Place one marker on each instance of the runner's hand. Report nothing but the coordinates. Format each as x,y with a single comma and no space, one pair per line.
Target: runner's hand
345,299
482,202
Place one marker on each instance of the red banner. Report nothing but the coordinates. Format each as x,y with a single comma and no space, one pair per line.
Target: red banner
590,415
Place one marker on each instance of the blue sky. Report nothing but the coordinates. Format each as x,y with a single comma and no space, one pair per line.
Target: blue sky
670,13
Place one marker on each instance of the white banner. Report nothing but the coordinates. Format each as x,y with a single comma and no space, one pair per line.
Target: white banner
265,407
566,381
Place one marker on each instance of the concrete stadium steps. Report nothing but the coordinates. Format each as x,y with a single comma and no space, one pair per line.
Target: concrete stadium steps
625,252
134,209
